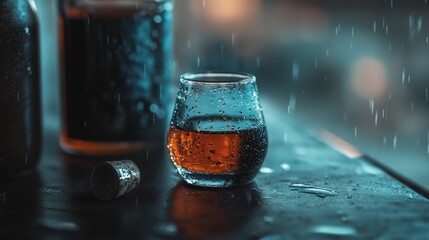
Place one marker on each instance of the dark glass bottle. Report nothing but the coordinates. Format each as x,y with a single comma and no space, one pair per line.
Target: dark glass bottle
19,88
116,58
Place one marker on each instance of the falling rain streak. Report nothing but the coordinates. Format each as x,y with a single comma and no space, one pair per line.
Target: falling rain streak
295,71
292,104
427,149
395,142
376,118
426,94
371,105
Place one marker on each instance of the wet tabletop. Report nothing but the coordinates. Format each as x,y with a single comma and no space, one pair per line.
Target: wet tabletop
304,190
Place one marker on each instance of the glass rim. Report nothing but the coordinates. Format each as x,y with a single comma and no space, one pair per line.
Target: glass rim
231,78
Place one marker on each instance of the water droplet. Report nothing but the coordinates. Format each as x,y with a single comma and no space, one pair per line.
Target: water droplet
272,237
266,170
334,230
319,191
51,189
300,150
366,168
167,229
268,219
285,166
55,224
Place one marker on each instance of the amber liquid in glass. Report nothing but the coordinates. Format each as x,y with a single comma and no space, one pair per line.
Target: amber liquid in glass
218,152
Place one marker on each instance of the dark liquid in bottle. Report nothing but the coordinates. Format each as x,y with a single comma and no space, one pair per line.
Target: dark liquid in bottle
218,152
116,71
19,88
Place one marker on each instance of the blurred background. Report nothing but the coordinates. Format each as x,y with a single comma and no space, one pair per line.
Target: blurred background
357,69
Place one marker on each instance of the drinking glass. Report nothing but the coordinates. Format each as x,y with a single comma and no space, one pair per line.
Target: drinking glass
217,136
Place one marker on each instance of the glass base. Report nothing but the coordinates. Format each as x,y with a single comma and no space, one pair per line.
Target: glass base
93,148
216,180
